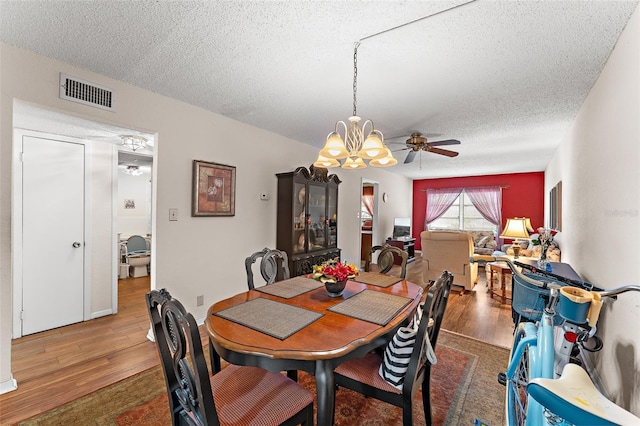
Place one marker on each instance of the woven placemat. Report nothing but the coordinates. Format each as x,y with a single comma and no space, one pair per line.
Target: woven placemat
379,280
291,287
372,306
267,316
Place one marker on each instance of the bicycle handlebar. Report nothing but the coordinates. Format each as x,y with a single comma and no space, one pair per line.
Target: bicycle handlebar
616,291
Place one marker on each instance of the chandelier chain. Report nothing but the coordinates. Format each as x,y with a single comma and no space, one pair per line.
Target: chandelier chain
355,76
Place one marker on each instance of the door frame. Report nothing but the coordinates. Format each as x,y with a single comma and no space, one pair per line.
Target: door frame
16,223
374,226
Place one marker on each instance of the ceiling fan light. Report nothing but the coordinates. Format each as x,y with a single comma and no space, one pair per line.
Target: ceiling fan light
334,147
132,170
325,162
354,163
372,147
386,161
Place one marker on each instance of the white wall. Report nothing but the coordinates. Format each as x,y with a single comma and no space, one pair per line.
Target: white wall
193,256
599,166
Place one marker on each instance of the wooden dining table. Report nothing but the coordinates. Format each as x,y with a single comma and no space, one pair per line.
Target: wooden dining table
274,328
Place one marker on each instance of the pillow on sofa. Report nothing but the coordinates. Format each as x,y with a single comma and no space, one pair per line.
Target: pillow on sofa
482,242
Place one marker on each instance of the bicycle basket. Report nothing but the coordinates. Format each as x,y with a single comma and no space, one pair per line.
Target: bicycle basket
529,300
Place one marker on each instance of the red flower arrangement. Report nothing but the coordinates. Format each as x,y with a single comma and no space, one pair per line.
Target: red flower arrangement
334,271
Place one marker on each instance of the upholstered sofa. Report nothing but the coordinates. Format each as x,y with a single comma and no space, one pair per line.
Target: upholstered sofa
448,251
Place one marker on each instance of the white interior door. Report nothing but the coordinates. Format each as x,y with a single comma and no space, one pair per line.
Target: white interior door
53,179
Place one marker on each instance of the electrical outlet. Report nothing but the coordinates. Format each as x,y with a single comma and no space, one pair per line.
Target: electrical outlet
200,300
173,214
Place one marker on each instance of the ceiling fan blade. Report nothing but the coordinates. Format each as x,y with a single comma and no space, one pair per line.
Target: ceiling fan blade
445,142
442,151
410,156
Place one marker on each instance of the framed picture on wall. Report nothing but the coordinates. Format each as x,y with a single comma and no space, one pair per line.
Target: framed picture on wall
214,189
555,207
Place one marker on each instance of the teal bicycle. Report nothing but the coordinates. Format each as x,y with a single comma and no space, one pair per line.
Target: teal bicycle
545,384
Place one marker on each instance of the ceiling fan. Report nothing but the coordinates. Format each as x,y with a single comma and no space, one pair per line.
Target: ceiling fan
417,143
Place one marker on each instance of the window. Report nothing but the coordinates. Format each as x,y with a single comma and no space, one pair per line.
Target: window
466,218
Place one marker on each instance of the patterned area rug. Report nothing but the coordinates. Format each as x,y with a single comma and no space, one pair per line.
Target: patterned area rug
464,388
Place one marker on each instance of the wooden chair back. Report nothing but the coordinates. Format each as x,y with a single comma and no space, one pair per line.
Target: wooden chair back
274,266
419,371
182,359
386,259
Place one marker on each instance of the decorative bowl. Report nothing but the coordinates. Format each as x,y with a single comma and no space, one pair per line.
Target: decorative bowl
334,288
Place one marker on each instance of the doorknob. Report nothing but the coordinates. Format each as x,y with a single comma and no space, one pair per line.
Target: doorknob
76,244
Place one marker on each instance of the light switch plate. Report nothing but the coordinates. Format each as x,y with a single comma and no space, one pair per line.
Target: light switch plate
173,214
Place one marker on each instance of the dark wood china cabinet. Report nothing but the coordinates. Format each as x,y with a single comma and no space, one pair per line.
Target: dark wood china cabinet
307,224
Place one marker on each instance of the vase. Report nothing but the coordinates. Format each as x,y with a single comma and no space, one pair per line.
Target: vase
542,261
335,289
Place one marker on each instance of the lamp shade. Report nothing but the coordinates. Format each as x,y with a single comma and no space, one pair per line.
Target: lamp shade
516,228
529,227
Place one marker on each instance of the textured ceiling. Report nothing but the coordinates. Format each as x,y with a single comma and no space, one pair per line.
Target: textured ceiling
506,78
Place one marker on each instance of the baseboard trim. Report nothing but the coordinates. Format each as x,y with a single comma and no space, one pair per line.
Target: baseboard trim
8,386
99,314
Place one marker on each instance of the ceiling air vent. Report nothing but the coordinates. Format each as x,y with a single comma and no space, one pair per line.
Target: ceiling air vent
76,90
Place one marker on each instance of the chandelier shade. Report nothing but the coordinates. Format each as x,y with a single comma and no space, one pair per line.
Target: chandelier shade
334,147
325,162
354,147
386,161
354,163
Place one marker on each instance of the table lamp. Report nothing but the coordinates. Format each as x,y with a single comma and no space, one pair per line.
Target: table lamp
516,229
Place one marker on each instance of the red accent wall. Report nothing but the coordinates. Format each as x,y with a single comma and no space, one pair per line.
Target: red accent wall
524,197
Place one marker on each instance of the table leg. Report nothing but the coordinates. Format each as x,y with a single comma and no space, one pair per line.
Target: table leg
325,392
504,291
491,280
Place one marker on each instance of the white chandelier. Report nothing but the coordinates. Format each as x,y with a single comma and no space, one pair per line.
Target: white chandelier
354,148
133,142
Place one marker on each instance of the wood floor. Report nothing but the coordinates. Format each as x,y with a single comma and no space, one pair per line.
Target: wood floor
58,366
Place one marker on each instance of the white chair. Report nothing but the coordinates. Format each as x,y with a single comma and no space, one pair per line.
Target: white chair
138,256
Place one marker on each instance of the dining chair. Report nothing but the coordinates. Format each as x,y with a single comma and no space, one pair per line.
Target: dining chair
363,375
234,396
386,259
274,266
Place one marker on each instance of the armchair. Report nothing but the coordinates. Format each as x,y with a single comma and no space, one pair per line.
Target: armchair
448,251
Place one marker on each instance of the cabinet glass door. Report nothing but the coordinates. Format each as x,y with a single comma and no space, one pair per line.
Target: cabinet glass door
317,217
299,217
332,215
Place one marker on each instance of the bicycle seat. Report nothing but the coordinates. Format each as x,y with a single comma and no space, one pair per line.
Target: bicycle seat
575,398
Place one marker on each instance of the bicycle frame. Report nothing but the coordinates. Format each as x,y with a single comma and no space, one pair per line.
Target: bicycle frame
538,341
